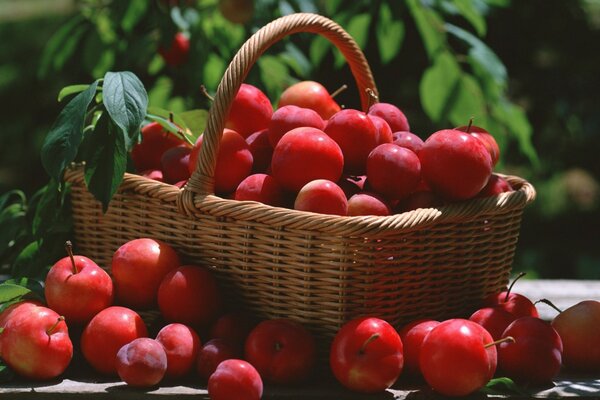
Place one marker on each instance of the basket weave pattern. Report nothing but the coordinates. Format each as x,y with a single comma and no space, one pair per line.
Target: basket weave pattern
320,270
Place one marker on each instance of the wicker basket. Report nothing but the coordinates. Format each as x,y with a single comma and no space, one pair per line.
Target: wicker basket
320,270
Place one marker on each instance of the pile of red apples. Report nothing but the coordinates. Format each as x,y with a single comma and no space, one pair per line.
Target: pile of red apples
198,340
312,155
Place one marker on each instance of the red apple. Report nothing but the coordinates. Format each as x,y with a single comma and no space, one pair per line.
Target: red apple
514,303
106,333
261,149
178,51
392,115
310,94
181,344
142,363
408,140
281,350
138,267
486,138
456,357
214,352
175,164
367,204
322,196
494,319
290,117
393,171
384,132
412,336
235,379
77,288
155,141
35,343
234,328
495,186
262,188
250,111
367,355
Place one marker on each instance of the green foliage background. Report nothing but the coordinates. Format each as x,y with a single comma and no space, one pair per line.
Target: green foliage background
527,71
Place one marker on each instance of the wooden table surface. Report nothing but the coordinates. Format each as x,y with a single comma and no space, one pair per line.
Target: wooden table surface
77,385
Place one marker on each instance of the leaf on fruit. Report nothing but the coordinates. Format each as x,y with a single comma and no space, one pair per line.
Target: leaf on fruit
503,386
106,160
126,101
11,292
439,86
469,11
358,28
62,142
390,34
430,26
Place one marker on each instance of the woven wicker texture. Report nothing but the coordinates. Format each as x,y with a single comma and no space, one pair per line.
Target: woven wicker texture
320,270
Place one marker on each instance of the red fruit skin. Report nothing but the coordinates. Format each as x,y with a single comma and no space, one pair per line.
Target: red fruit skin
234,161
494,319
189,295
12,310
578,327
356,135
453,359
303,155
408,140
214,352
138,267
142,363
181,344
487,139
154,174
78,296
535,356
106,333
392,115
146,155
367,355
367,204
235,379
455,164
322,196
418,199
178,52
250,111
516,304
412,336
29,350
281,350
290,117
384,132
175,164
351,184
495,186
261,150
312,95
234,328
393,171
262,188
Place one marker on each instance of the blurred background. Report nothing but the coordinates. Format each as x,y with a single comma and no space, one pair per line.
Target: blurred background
528,71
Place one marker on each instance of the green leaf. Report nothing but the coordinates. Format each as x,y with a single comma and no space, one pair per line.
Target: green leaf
126,102
69,90
439,85
106,160
358,28
296,60
13,225
468,102
6,374
195,120
51,211
6,197
62,142
274,74
515,119
56,43
10,292
214,68
331,6
470,12
430,26
135,11
390,34
503,386
318,49
483,58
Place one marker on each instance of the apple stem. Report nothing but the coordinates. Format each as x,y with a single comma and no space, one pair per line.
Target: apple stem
522,274
497,342
69,248
548,302
206,94
363,348
339,90
373,98
53,327
469,125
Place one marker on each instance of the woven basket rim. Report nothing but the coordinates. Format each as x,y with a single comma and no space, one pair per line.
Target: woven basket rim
255,212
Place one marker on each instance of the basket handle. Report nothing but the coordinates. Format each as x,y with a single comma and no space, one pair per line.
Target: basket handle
202,180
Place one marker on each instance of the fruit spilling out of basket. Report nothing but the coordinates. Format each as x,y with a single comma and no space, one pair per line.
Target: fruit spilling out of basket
312,155
197,339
